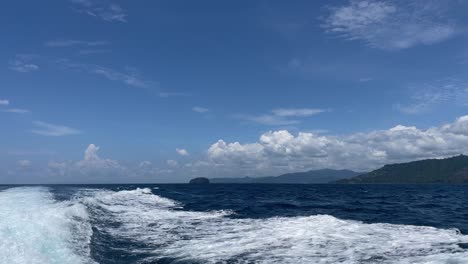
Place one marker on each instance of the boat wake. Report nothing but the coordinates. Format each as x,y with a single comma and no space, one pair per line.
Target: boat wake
173,234
36,228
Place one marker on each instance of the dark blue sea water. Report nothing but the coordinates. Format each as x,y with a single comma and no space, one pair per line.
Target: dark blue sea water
234,224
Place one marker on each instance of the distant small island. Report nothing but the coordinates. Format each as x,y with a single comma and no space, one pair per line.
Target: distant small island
199,180
452,170
308,177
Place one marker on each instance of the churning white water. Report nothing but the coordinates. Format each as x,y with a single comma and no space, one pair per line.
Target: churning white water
213,237
34,228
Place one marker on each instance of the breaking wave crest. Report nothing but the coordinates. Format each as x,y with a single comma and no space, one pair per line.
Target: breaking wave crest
173,234
34,228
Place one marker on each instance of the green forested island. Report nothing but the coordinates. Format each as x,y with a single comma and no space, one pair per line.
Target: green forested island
452,170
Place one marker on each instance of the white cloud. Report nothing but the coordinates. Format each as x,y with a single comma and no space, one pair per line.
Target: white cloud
365,79
105,10
391,25
269,120
145,164
93,168
280,151
182,152
92,165
91,153
91,160
4,102
172,163
22,63
281,116
24,163
71,42
285,112
16,111
199,109
46,129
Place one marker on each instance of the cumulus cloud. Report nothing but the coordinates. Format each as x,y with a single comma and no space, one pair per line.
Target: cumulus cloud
391,24
47,129
281,151
182,152
105,10
4,102
93,168
92,165
91,160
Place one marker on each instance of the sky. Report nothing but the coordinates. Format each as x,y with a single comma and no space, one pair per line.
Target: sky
108,91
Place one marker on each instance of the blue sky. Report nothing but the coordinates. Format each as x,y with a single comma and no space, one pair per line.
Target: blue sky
162,91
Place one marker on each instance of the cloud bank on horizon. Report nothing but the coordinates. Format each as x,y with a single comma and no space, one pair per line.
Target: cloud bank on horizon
243,88
276,152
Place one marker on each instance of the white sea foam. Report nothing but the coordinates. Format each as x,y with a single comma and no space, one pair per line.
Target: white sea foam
212,237
34,228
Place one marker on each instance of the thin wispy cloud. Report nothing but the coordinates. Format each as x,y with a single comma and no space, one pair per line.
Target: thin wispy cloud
23,63
130,76
269,120
391,25
172,94
93,51
102,9
70,43
17,111
285,112
24,163
4,102
47,129
427,96
365,79
281,116
200,109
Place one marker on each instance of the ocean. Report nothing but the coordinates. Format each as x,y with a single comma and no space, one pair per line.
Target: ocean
222,223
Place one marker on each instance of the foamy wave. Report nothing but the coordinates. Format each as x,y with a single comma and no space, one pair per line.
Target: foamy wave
212,237
36,229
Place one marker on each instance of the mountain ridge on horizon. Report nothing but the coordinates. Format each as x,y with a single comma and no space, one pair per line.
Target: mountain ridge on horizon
306,177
